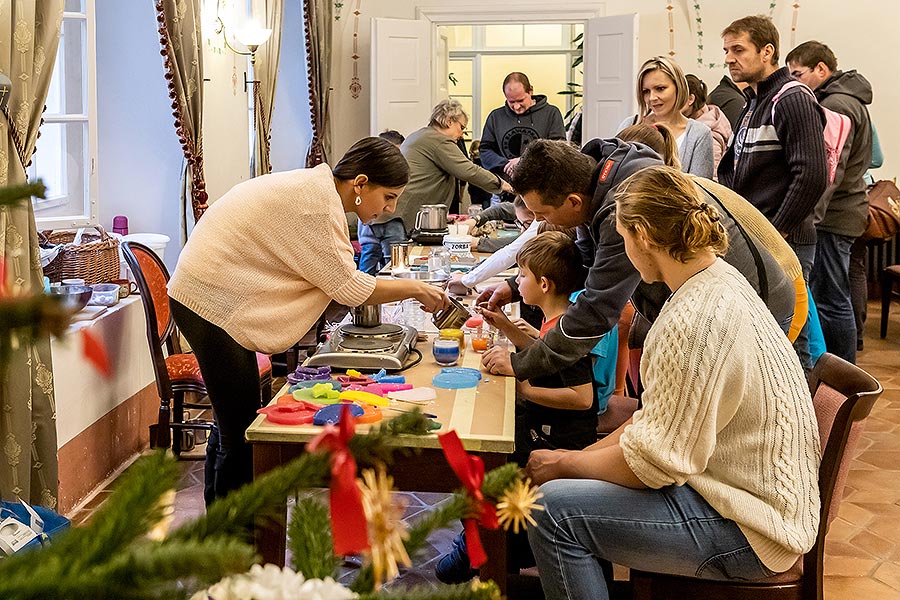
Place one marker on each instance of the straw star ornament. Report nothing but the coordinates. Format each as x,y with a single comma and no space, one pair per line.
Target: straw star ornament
516,504
386,528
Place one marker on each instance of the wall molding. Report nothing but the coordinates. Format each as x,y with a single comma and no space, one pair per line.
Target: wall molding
463,14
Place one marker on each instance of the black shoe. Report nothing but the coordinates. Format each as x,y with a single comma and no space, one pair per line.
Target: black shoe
454,567
859,345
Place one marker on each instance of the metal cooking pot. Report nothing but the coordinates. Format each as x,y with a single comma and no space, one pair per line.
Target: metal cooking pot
432,217
452,317
367,315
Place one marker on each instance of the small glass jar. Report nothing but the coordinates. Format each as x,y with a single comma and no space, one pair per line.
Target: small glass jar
454,334
446,352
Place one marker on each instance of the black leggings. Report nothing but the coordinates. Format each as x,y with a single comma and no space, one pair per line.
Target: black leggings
231,374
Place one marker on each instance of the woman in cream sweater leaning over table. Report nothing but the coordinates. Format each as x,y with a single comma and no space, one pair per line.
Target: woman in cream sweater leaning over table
716,475
261,267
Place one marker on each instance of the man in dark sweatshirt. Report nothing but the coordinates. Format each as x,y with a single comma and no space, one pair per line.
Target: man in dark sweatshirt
576,189
730,98
509,129
842,212
776,159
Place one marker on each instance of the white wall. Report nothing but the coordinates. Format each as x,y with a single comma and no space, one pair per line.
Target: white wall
138,154
860,33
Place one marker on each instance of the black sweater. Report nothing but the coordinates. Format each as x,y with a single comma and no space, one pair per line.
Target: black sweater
781,169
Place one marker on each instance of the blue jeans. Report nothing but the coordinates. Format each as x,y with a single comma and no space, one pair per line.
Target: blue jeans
806,253
830,286
672,530
375,240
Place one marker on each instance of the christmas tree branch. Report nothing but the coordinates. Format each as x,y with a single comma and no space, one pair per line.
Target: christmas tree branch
14,194
312,547
475,590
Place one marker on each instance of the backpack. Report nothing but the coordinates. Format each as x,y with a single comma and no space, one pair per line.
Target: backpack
837,129
884,211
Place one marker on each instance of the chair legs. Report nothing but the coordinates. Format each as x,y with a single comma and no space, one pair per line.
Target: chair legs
162,431
887,290
265,390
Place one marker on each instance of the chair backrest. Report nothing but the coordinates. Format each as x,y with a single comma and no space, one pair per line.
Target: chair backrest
152,277
843,396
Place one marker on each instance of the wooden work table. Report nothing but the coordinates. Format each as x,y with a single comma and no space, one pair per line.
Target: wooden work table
483,417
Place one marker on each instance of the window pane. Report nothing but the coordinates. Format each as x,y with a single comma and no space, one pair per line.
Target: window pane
75,6
462,73
548,74
503,36
459,37
466,102
541,36
61,160
69,98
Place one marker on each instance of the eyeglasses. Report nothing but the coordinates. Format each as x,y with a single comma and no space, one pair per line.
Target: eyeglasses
524,224
799,74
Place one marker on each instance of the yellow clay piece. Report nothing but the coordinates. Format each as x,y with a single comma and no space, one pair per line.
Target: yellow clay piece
353,373
360,396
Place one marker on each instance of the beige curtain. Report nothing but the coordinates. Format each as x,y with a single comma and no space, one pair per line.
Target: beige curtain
266,73
317,22
28,465
182,50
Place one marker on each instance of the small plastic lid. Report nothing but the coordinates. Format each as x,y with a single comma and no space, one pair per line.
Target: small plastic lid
457,239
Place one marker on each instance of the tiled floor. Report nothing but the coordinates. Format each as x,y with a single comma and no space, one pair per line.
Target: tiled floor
862,556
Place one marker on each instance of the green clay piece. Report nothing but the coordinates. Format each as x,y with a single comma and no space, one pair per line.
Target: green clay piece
322,390
434,425
309,394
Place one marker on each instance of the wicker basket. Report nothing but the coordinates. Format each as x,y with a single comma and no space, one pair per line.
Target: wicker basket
95,259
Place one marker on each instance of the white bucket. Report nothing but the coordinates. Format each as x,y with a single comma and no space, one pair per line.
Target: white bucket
155,241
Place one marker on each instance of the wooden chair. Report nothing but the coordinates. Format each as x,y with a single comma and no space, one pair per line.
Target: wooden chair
843,395
889,277
177,372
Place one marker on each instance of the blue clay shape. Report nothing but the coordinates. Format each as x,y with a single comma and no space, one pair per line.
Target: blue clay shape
331,415
454,381
335,385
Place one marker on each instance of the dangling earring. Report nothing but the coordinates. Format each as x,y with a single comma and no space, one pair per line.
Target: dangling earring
358,201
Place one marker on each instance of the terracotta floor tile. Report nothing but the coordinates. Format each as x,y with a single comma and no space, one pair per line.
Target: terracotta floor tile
889,573
889,496
879,509
878,479
854,515
842,531
870,542
834,548
888,527
847,588
849,566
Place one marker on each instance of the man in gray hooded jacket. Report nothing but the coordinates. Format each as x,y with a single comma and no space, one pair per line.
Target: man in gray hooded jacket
509,129
842,212
570,188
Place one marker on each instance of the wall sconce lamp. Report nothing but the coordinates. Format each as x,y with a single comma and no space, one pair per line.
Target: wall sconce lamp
252,35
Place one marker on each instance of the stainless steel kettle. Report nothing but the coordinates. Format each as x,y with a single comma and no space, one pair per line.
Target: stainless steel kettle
432,217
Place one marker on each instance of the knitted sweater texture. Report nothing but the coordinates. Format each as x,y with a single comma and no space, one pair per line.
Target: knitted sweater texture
267,257
727,411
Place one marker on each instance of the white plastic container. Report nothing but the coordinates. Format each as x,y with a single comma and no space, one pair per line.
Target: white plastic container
155,241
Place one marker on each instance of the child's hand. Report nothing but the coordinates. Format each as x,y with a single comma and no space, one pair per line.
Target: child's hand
526,328
495,317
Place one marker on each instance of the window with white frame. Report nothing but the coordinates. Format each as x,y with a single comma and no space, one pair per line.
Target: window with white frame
66,151
482,55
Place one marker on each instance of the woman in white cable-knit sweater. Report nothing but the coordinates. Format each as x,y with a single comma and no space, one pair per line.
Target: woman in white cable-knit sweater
716,476
259,270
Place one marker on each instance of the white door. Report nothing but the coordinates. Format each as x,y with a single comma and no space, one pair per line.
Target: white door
401,75
441,68
610,68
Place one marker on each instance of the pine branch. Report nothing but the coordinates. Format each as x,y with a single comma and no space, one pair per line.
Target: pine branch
235,513
14,194
456,508
128,514
379,445
496,481
310,541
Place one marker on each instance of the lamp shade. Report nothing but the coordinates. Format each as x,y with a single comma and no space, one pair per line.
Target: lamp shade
252,34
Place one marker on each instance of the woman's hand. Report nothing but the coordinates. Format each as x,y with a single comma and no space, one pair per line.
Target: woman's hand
496,361
432,298
456,286
495,296
545,465
506,187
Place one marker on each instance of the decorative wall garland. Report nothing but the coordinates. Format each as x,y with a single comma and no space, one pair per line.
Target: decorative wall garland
355,85
698,20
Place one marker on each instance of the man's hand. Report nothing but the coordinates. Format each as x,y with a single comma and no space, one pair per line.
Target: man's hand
511,166
495,296
505,186
496,361
456,286
544,465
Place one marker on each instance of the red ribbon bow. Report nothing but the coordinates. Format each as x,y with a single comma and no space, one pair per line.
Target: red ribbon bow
470,470
348,519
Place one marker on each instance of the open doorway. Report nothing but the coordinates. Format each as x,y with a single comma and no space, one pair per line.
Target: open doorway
480,56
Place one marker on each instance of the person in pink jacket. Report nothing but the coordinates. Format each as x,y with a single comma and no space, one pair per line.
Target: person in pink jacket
709,115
